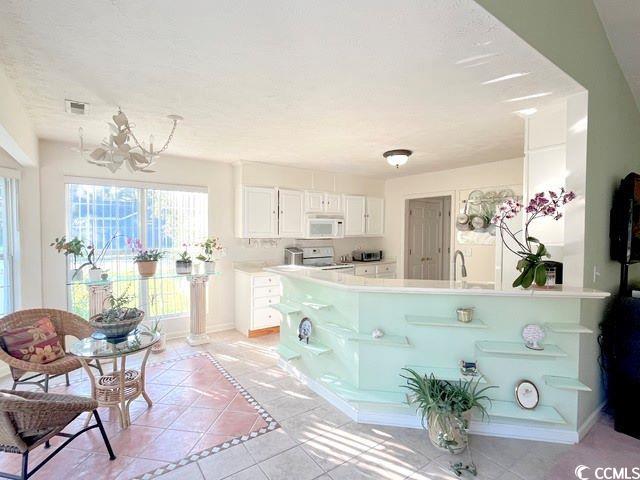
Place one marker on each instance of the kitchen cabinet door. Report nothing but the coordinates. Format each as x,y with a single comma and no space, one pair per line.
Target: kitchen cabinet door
354,215
259,212
314,202
374,216
332,203
291,219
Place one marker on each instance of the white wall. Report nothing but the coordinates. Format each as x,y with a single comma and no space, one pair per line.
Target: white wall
17,136
58,160
480,262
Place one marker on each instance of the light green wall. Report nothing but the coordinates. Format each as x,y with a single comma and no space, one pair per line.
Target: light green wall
570,34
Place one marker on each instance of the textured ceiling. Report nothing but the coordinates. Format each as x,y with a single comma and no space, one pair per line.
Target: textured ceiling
621,21
327,84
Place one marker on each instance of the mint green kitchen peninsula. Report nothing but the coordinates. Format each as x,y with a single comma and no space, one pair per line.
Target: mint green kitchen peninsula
360,374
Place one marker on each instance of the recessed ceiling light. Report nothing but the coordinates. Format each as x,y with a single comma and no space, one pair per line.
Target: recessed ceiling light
505,77
526,112
398,157
529,97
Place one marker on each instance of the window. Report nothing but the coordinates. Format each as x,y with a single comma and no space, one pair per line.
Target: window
8,242
162,217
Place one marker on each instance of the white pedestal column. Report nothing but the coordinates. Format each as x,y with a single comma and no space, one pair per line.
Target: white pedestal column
198,330
98,293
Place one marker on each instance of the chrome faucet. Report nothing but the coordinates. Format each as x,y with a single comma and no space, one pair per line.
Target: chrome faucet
463,267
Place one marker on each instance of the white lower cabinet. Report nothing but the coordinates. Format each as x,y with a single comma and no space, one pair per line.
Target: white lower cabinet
254,295
376,270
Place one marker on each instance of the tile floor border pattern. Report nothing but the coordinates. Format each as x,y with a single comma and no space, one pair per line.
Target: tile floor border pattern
272,424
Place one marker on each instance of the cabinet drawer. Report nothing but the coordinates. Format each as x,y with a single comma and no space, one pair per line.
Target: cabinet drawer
365,270
265,318
271,291
386,275
265,301
263,281
386,268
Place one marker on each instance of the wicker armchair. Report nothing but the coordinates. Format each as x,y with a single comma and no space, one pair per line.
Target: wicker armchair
29,419
66,323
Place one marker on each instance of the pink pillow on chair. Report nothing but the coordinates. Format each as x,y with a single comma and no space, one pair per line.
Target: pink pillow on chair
37,343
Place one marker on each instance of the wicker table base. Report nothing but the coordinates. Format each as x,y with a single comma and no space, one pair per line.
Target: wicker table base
120,387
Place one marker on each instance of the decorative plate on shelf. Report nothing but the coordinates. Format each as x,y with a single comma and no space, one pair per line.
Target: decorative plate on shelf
532,335
304,329
527,395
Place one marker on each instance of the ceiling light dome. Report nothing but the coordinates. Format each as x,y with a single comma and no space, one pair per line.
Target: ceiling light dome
395,158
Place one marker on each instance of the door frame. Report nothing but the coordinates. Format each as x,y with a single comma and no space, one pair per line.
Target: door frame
404,240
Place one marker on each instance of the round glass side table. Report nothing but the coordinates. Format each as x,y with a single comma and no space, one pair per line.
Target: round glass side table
120,387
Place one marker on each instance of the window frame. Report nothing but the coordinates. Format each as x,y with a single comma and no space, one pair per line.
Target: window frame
11,179
142,188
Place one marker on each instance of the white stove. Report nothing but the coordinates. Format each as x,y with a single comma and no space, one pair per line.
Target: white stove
322,259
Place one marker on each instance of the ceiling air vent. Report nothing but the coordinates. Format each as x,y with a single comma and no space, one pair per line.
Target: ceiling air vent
77,108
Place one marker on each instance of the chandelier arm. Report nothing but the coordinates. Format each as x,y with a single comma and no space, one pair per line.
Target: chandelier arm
164,147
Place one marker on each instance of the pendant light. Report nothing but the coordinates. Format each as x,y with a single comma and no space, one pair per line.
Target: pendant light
395,158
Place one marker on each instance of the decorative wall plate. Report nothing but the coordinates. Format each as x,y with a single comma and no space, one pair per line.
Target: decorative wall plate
304,329
527,395
532,335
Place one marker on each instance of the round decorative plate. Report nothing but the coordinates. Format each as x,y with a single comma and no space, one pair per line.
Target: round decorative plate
304,329
532,335
527,395
475,197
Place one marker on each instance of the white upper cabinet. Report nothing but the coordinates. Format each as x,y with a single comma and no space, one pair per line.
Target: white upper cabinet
354,215
291,218
259,212
314,202
322,202
363,215
333,203
374,216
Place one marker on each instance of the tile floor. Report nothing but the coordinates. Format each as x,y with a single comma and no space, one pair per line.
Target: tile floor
315,440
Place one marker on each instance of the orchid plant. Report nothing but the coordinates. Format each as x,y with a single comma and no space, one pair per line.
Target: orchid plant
140,254
184,256
211,249
530,250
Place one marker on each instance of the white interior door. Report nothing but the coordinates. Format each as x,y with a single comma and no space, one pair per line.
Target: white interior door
291,219
425,239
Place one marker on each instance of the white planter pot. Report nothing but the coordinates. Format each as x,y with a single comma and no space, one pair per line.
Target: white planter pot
210,267
183,268
95,274
161,345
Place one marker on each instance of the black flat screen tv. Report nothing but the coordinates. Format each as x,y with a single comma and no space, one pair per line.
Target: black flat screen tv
625,221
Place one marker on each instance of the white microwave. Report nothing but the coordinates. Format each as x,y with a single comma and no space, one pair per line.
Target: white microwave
318,226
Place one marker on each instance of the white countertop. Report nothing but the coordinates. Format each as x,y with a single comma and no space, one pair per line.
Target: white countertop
254,268
399,285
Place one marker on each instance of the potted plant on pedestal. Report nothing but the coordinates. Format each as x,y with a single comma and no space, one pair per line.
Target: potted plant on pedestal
211,251
530,250
74,248
146,260
117,321
184,263
445,407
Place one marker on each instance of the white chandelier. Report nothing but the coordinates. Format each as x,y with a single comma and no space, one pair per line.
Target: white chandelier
122,147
